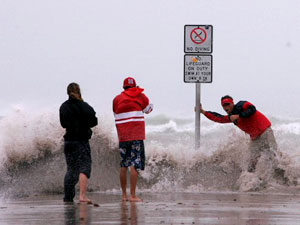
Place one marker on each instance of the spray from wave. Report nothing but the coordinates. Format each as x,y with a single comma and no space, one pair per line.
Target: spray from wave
32,160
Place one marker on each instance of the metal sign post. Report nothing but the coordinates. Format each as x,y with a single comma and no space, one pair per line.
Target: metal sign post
197,67
197,115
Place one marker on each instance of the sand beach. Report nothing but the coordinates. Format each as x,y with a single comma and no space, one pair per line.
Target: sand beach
157,208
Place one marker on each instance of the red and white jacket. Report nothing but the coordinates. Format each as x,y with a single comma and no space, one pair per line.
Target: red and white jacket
129,108
251,121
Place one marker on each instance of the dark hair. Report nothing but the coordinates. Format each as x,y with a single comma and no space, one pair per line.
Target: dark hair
126,87
226,96
73,91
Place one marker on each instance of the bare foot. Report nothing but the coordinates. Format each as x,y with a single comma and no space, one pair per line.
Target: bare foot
124,198
135,199
88,201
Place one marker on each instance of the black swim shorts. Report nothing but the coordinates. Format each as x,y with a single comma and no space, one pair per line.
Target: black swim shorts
78,157
132,154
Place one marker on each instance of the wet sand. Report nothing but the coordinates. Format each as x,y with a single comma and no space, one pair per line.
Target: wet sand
157,208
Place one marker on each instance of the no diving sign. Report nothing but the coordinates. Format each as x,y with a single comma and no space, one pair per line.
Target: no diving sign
198,39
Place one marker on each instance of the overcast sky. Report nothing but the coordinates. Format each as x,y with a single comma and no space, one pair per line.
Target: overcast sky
45,45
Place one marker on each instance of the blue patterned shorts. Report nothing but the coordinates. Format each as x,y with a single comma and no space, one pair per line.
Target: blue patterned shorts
132,154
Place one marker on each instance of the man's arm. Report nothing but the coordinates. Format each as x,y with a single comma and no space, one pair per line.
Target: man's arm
148,109
147,106
64,121
249,110
216,117
89,114
245,109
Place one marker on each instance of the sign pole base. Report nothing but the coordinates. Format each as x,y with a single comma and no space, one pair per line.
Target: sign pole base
197,116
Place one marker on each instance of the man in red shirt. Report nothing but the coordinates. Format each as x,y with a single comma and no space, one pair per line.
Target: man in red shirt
129,108
245,116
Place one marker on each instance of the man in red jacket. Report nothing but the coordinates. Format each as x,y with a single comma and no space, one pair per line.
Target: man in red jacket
245,116
129,108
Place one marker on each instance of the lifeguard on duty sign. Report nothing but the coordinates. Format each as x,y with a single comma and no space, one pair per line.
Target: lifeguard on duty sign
198,38
197,68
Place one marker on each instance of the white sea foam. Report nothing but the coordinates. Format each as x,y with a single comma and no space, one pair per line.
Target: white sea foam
31,154
25,136
292,128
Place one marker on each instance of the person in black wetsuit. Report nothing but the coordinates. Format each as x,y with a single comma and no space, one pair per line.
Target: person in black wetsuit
77,117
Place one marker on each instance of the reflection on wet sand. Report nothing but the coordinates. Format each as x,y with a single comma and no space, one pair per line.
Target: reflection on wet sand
159,208
77,214
130,217
70,214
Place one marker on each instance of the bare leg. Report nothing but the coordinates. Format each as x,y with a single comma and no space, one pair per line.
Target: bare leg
123,181
133,181
83,182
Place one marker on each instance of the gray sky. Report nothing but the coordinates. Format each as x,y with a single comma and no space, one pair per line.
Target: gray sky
44,45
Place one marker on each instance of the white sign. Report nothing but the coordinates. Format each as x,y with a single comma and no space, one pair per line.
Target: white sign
198,38
197,68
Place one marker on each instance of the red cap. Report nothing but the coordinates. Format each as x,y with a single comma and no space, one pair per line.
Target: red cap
227,100
129,82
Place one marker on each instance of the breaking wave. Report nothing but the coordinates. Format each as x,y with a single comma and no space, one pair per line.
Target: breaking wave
32,159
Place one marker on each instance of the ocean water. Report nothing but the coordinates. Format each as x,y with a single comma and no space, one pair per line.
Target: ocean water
32,160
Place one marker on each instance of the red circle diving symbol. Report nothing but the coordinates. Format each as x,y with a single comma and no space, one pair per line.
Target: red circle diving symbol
198,35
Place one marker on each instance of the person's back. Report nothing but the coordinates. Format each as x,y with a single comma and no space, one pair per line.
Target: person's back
77,117
129,116
129,108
